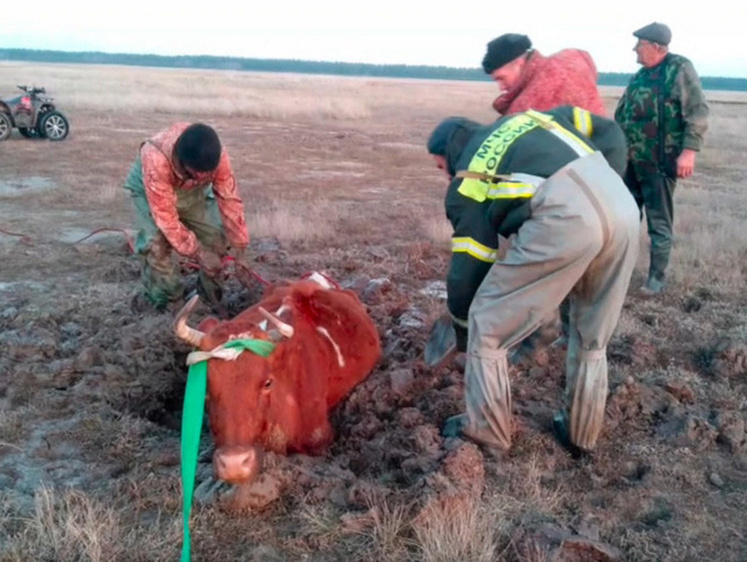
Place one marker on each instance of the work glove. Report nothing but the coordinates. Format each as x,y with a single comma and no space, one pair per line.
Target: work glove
242,270
209,262
240,255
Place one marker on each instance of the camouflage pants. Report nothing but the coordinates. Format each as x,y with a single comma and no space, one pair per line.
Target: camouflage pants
654,192
198,211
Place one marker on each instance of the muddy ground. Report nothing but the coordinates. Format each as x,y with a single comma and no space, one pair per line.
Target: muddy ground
91,389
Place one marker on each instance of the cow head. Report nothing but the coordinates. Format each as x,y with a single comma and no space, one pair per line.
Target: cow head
325,345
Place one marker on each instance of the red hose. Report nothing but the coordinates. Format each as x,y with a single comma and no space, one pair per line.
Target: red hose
130,243
25,239
189,264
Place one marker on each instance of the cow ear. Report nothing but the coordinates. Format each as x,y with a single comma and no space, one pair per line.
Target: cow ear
208,324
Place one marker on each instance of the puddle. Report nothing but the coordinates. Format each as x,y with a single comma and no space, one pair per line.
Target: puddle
24,186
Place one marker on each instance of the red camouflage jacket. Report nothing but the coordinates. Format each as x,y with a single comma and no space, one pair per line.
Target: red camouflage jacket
162,179
569,77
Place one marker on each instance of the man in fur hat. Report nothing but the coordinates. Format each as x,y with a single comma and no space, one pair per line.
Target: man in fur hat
529,80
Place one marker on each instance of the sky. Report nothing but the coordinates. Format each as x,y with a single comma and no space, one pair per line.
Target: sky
710,33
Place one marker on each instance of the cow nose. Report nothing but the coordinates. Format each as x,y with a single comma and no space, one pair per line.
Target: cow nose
237,464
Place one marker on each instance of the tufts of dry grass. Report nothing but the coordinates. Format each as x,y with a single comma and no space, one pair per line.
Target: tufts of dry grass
709,239
460,529
438,229
321,522
313,221
69,525
388,534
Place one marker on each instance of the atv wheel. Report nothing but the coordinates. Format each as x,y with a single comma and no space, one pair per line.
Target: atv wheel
29,132
5,126
54,126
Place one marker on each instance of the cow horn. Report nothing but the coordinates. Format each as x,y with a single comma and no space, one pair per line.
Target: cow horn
184,332
285,329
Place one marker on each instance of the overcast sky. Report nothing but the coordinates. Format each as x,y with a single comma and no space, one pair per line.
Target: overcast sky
710,33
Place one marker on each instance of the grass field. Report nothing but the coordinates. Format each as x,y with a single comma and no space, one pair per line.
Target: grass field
335,176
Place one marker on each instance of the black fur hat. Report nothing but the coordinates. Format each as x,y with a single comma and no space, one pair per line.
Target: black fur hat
504,49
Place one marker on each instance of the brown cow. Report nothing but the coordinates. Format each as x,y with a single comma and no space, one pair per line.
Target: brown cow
326,345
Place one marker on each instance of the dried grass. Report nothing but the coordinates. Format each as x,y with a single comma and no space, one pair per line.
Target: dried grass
125,89
292,222
70,525
463,529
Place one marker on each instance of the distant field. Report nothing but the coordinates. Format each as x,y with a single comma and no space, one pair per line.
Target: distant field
249,94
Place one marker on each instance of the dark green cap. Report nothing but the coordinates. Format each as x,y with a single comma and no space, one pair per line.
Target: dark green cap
655,32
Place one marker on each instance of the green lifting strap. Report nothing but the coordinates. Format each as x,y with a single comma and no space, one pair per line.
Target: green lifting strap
194,407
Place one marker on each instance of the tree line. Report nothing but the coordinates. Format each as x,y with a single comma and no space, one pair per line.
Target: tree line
308,67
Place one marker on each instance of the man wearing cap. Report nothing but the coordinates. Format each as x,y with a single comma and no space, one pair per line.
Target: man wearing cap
664,115
529,80
557,188
186,200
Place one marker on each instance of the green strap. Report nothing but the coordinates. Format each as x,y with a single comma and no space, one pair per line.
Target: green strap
263,348
194,405
192,414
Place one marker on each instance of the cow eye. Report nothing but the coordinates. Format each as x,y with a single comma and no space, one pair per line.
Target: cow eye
267,384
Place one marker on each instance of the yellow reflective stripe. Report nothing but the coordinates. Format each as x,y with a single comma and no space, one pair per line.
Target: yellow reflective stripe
474,189
515,186
578,146
488,157
473,248
459,321
542,118
582,121
511,190
573,141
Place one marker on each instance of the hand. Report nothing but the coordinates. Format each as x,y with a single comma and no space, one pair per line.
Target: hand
242,270
239,254
686,163
209,262
244,274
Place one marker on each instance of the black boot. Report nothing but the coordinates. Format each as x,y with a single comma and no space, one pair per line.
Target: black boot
656,272
563,435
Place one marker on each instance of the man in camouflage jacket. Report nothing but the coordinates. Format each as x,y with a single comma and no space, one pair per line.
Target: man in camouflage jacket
664,114
187,201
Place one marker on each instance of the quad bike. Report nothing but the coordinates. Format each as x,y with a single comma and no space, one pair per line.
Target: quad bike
33,115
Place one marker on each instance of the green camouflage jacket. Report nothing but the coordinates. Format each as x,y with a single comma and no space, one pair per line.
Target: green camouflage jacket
663,111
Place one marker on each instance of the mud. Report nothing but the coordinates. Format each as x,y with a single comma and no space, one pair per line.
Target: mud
91,388
110,381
